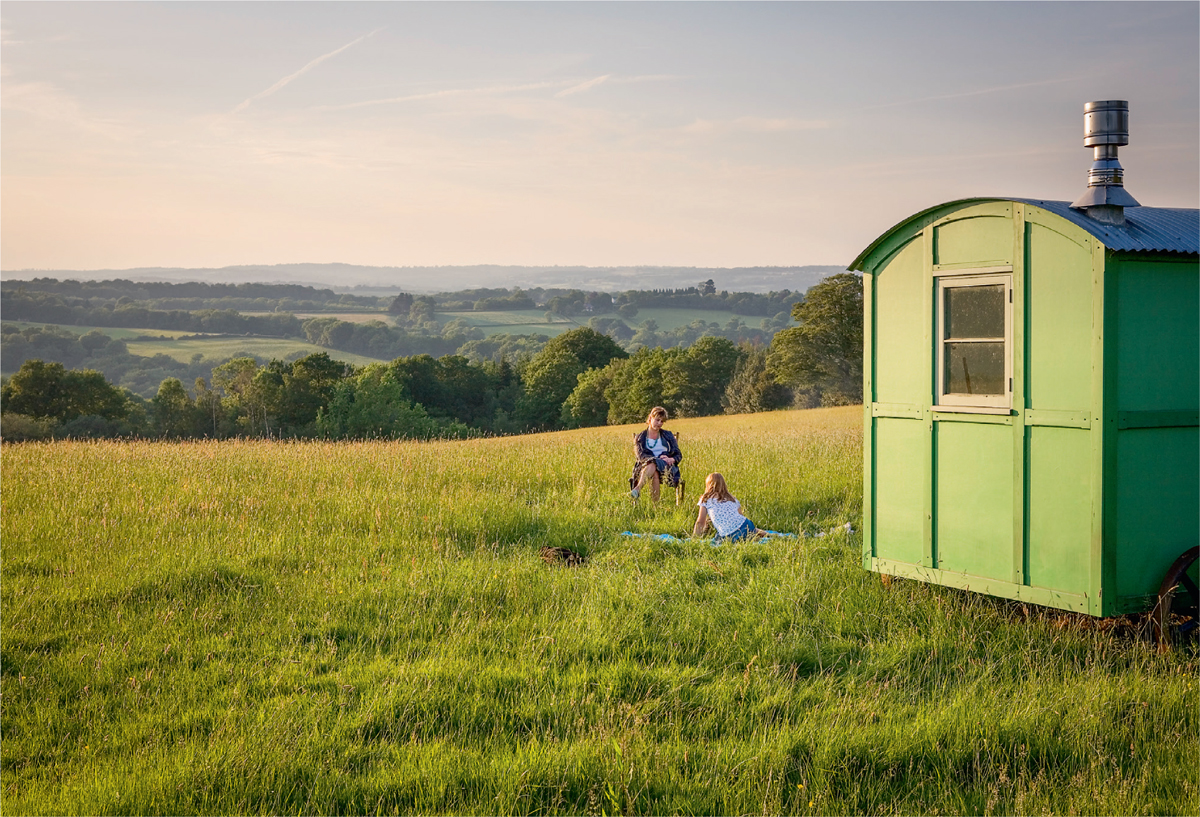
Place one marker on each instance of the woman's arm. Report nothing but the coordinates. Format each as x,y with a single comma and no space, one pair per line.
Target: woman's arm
672,455
701,522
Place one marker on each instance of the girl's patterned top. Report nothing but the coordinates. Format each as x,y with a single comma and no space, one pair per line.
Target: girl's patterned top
726,516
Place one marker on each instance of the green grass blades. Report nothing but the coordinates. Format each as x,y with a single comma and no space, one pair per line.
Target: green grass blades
310,628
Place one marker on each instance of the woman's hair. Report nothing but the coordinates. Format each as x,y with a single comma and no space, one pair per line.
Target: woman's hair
715,488
657,411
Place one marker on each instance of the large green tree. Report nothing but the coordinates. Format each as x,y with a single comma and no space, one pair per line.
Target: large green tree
48,390
36,390
694,382
638,386
754,386
587,406
549,380
592,349
825,352
374,404
553,373
173,413
308,385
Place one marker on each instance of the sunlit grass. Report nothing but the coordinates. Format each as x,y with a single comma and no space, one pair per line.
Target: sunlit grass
366,627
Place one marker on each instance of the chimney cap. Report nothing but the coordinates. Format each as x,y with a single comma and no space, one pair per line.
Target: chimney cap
1106,122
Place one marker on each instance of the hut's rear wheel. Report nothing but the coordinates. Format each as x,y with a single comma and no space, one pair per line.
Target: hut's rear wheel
1178,596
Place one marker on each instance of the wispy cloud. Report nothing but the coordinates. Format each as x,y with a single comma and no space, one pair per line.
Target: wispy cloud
488,90
47,101
756,124
648,78
583,86
572,87
290,77
979,92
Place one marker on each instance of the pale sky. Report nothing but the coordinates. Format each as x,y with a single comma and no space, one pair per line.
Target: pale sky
604,134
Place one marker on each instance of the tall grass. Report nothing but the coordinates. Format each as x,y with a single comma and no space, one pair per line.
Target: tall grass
258,627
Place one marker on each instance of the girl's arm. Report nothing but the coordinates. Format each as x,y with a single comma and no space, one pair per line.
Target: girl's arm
701,522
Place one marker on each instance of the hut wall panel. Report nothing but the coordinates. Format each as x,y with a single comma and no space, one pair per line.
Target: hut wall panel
1058,279
1157,500
1059,511
899,507
1156,505
900,357
973,517
976,240
1158,336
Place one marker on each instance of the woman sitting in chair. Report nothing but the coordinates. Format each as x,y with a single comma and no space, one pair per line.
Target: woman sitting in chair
657,454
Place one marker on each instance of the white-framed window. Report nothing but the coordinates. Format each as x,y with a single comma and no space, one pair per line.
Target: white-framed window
974,340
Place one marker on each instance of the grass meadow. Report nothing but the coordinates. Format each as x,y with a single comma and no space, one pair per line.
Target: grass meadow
309,628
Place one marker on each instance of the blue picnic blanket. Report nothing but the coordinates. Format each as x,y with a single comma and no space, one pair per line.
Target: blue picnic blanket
716,542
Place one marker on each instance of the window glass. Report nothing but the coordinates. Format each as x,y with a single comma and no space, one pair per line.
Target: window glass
974,368
975,312
974,361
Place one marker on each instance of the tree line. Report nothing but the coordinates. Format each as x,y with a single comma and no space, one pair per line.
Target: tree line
193,295
579,378
415,329
116,293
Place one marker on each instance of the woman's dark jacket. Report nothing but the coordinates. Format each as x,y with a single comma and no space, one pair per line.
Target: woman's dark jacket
642,454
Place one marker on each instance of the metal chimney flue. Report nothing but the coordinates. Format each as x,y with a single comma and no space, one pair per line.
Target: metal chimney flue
1105,129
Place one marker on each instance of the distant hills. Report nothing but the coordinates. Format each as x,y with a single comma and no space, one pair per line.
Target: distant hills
350,277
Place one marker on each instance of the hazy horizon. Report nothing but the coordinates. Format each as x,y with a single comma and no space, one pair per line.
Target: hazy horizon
714,135
452,278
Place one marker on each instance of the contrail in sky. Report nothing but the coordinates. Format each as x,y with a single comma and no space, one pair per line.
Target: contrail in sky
494,89
575,88
304,70
583,86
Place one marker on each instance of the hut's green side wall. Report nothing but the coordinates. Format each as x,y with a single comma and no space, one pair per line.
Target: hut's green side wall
1063,300
1008,505
1154,513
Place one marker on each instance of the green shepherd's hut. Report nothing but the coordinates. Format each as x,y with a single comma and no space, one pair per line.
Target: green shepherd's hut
1031,388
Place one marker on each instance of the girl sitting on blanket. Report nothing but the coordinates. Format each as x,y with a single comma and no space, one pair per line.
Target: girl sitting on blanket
720,507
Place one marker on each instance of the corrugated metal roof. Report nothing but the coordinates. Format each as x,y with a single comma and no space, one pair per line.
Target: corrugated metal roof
1146,229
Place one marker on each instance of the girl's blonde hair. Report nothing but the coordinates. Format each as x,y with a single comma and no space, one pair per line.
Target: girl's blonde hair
657,411
715,488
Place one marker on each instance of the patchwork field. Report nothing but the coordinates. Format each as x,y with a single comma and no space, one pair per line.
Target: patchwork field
258,627
183,346
222,347
528,321
514,322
